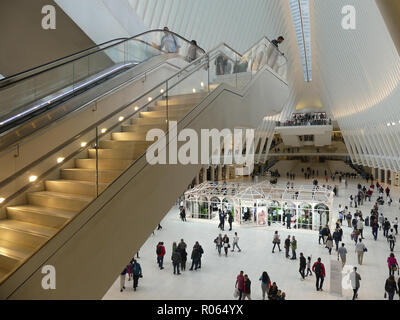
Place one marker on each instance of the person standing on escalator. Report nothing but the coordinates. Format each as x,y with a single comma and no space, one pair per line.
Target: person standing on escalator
169,42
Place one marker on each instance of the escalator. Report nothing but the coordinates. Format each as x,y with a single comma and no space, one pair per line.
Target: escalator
94,200
35,98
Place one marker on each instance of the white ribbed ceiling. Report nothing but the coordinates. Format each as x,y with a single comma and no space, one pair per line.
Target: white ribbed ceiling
356,73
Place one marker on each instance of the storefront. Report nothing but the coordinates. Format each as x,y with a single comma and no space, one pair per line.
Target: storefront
262,204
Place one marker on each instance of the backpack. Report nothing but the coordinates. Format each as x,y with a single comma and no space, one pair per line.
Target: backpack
158,251
318,269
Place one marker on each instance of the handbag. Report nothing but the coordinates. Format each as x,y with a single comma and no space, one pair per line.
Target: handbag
365,249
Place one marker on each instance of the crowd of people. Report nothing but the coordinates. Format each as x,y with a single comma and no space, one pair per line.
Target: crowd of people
307,119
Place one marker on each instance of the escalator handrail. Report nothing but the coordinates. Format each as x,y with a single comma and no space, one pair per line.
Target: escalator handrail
5,81
99,122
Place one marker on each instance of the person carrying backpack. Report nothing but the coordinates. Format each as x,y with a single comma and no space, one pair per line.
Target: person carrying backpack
319,270
160,251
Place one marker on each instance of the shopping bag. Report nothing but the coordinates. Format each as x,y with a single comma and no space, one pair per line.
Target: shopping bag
236,293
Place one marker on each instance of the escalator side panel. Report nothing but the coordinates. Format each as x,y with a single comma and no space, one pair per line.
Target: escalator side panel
89,253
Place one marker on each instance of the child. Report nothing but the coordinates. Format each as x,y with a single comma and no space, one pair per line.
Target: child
309,266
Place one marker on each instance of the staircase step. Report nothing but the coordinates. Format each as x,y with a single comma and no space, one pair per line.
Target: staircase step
144,128
105,176
176,107
172,114
129,136
74,187
49,217
193,98
148,121
63,201
136,146
122,154
14,250
103,164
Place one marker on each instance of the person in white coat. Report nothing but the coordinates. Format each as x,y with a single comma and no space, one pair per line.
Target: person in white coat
360,227
355,279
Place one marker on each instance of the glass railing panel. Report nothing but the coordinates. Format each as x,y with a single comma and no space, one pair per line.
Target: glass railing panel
54,82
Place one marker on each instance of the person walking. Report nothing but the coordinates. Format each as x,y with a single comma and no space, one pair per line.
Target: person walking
287,246
265,283
360,249
319,270
303,264
375,228
219,242
226,245
122,278
342,253
240,284
360,227
195,258
309,272
246,288
348,218
137,273
294,248
337,238
230,220
391,239
329,243
176,261
160,251
355,279
201,252
396,225
381,220
392,264
320,235
235,243
391,287
276,241
386,227
183,253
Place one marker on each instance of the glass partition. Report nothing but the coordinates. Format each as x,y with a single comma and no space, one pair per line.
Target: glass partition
126,129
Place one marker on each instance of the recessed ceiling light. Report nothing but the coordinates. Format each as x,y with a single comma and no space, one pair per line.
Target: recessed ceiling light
32,178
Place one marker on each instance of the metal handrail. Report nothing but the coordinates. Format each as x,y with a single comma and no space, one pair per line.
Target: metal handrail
93,126
4,82
83,56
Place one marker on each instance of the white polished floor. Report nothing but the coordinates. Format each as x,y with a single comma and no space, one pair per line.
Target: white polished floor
216,278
